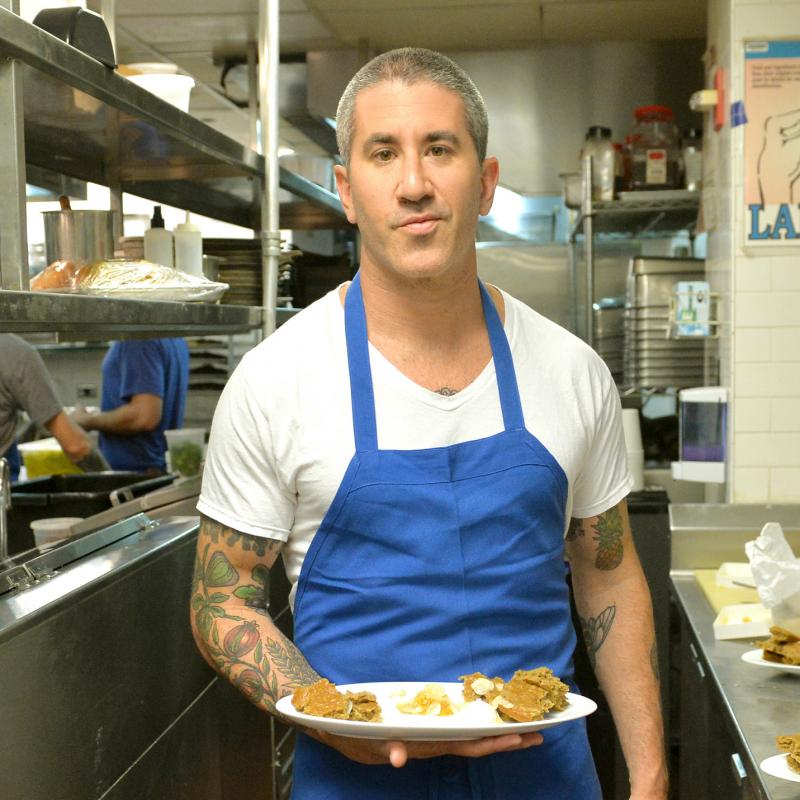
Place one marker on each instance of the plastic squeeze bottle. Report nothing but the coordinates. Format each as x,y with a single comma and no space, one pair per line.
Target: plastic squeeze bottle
189,248
158,241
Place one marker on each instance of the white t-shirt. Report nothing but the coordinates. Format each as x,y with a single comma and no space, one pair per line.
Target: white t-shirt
282,434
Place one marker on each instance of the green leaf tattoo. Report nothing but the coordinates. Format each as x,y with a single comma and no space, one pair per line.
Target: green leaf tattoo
596,630
575,529
608,530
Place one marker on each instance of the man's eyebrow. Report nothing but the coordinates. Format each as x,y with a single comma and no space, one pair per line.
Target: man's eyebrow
388,138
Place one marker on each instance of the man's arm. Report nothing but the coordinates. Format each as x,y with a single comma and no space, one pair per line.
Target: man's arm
73,440
616,615
238,638
230,621
141,413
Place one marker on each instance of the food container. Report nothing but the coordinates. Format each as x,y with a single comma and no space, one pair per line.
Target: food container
173,89
52,529
185,448
45,457
742,621
78,236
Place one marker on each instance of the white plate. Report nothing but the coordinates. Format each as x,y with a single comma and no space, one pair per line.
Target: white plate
778,768
755,657
411,727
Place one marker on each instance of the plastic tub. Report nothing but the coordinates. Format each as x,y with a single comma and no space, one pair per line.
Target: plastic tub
52,529
174,89
45,457
185,448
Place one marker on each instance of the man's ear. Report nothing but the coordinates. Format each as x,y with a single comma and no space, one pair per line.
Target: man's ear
490,175
343,187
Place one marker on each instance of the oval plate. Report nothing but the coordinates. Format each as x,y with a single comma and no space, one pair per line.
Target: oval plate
412,727
755,657
779,768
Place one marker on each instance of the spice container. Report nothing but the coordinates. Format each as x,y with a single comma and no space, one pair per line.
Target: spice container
692,158
654,149
598,145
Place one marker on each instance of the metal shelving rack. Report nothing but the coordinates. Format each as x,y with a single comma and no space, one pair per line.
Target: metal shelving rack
635,215
63,111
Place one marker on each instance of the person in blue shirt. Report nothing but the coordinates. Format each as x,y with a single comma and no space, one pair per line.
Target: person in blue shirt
144,393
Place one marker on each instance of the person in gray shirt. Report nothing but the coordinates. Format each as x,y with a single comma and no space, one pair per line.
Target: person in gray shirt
26,386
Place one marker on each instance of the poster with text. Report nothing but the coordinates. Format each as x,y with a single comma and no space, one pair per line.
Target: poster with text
772,143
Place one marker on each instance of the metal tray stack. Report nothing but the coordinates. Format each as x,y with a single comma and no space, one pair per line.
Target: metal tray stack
651,359
609,334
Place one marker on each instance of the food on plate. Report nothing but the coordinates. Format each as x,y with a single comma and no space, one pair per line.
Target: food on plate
791,744
112,274
323,699
58,276
432,701
527,697
783,647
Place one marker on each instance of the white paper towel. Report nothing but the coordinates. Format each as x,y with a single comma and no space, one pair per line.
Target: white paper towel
776,572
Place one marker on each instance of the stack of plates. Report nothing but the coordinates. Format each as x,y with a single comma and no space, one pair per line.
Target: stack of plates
240,268
650,358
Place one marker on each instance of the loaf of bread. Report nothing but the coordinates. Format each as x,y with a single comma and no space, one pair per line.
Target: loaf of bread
57,277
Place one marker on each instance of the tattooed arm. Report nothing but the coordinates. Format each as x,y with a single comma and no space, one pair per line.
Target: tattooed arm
616,615
230,622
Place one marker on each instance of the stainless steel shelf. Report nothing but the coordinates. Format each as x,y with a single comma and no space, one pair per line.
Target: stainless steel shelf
86,121
86,318
635,216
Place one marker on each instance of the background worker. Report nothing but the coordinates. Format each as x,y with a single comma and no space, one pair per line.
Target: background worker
25,385
414,445
144,393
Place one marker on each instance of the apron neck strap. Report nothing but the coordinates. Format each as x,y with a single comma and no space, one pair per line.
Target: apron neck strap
513,418
362,396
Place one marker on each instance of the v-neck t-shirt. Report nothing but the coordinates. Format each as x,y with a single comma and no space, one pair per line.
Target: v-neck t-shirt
282,434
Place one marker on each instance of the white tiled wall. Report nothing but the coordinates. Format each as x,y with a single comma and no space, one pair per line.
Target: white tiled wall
760,291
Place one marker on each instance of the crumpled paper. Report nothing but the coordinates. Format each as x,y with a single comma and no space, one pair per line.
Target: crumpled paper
776,572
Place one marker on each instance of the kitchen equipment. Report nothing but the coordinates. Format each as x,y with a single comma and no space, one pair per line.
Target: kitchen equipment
692,159
84,30
78,236
703,422
52,529
188,248
650,359
632,432
171,88
158,241
72,495
44,457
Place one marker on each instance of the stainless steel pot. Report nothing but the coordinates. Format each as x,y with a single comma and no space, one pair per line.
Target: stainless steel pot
79,236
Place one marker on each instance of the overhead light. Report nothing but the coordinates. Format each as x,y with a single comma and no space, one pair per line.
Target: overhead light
285,150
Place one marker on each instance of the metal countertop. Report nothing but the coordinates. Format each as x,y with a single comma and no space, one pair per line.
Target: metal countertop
763,703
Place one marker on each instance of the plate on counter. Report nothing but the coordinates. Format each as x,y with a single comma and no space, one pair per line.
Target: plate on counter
756,657
413,727
778,767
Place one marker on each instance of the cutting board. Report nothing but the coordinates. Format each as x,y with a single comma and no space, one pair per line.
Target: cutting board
719,596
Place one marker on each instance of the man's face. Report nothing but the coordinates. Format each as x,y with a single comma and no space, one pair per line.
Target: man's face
415,186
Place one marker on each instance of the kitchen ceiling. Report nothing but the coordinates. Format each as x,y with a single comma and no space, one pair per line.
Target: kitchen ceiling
198,35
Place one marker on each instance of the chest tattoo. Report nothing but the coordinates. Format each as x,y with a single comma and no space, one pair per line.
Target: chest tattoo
445,391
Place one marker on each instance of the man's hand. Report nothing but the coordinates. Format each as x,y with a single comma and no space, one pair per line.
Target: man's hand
80,416
397,753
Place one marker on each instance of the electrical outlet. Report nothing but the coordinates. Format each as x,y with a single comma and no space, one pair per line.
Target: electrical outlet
87,392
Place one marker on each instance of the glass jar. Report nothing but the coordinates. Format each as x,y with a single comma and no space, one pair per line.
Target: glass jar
692,158
655,149
598,145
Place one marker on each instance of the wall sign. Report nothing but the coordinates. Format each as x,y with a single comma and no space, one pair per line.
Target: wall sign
772,142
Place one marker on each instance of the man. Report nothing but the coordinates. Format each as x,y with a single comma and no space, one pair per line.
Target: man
414,444
144,393
26,386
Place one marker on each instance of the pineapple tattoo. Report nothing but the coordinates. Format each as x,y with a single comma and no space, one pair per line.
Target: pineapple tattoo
608,531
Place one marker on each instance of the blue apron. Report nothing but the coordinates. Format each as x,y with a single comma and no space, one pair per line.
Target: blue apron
431,564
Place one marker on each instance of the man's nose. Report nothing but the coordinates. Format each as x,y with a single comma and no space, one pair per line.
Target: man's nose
414,184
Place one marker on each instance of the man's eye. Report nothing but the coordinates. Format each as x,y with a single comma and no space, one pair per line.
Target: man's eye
383,155
438,150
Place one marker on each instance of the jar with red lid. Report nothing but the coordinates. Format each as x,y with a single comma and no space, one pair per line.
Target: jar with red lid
654,149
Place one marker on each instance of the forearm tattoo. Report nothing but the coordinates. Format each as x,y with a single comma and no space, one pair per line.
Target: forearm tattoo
263,668
596,629
608,535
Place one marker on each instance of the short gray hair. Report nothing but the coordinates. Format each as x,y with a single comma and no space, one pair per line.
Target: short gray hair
412,65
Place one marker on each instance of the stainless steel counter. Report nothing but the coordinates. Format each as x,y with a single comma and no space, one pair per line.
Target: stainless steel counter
762,703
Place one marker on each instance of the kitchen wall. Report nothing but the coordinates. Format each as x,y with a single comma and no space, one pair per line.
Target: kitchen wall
759,347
